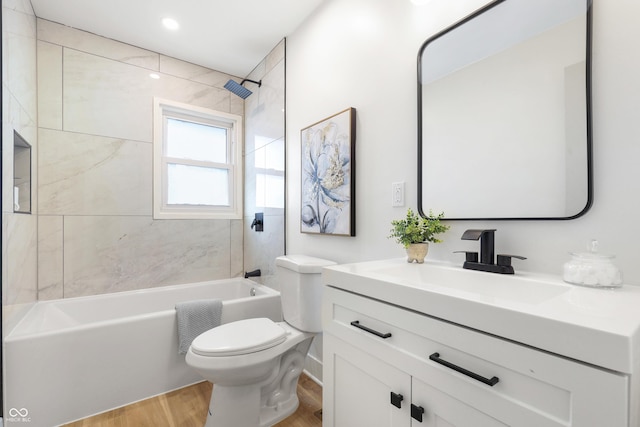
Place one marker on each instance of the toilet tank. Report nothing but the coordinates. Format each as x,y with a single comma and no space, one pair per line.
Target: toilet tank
300,281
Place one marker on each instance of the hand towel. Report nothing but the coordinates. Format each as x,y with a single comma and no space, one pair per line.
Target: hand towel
194,318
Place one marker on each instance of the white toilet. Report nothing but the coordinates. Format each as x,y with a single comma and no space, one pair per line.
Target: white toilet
255,363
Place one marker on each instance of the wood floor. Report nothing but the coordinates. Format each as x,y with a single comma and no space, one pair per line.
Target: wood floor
188,407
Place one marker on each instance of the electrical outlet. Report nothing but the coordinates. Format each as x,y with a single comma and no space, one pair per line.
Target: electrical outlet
397,194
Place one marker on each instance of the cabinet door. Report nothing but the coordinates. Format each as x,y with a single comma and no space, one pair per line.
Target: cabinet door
443,410
535,388
358,389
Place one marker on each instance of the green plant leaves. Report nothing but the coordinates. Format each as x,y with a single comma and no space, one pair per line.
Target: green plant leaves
416,229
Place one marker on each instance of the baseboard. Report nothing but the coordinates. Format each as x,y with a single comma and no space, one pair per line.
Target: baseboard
313,369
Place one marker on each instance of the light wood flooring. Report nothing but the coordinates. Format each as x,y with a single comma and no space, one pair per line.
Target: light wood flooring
188,407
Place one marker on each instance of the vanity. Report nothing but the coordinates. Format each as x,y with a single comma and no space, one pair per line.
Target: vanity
437,345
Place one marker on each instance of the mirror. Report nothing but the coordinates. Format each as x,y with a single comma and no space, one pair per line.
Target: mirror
504,113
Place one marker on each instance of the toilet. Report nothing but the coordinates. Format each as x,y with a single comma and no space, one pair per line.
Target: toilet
255,364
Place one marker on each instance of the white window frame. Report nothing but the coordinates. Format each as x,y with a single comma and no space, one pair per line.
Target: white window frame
163,109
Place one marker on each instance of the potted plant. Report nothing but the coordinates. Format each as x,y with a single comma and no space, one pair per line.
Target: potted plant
415,232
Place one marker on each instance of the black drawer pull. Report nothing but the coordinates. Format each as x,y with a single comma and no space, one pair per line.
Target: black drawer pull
417,412
396,400
357,324
488,381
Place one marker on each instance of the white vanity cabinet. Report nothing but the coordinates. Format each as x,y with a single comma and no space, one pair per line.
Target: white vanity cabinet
387,365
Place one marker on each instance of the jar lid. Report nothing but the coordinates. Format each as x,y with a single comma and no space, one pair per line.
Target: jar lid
589,256
592,254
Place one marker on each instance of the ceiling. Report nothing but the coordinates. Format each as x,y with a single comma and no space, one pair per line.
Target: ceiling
231,36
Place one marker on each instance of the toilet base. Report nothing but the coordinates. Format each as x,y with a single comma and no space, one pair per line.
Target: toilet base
264,404
234,406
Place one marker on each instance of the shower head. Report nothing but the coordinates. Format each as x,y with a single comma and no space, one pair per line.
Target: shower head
240,90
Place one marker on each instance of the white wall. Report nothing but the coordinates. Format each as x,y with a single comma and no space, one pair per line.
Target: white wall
362,54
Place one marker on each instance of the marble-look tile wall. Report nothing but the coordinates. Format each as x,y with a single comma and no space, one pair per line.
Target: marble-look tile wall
265,157
19,110
96,230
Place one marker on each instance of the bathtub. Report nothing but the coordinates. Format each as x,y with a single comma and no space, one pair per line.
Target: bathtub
72,358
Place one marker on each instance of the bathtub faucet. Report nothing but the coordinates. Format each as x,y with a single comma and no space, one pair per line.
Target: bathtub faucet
254,273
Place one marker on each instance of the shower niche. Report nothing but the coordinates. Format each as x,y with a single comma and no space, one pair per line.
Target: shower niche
21,174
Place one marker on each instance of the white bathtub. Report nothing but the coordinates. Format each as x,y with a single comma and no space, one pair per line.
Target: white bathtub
72,358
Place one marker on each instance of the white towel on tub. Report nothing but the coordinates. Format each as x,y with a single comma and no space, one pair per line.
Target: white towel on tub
194,318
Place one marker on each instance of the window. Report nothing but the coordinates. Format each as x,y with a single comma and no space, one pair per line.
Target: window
197,162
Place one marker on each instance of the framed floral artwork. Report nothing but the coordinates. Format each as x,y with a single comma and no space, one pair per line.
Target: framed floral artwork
328,175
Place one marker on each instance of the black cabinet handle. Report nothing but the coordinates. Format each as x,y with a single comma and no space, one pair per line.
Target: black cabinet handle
396,400
357,324
416,412
488,381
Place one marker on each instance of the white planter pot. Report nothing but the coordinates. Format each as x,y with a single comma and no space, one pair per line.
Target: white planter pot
417,251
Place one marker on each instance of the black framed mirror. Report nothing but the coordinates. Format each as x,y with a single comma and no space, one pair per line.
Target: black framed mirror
504,113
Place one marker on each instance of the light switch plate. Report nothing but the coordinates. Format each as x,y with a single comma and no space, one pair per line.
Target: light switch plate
397,194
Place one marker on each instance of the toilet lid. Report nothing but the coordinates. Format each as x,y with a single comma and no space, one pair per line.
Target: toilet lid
241,337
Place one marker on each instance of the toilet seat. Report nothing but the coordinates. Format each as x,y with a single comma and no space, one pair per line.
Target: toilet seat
241,337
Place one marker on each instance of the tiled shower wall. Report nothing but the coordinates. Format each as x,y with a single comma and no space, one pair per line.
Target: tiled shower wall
264,165
96,233
19,110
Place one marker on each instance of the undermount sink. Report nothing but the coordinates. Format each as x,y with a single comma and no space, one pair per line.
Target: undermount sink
516,288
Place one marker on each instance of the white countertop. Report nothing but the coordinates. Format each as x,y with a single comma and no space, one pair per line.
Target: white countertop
597,326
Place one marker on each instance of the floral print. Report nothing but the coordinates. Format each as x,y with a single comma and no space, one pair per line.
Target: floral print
326,185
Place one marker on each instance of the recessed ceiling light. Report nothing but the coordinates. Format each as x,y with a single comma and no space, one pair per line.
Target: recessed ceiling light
170,23
154,76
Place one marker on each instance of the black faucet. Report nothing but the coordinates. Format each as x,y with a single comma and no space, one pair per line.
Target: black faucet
258,221
487,250
254,273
